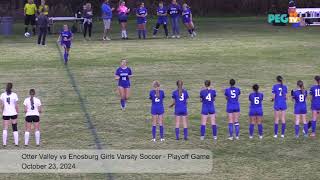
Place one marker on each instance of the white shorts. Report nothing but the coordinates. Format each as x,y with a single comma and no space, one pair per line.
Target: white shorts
107,23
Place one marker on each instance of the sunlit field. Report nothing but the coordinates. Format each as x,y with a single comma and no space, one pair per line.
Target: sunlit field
82,109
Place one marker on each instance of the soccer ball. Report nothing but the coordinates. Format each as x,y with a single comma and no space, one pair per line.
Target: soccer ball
27,34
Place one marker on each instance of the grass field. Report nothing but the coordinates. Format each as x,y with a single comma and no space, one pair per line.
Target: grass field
246,49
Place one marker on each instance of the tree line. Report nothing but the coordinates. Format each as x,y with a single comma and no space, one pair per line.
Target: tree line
199,7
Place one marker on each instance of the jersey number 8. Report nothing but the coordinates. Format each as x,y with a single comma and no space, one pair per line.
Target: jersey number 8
301,97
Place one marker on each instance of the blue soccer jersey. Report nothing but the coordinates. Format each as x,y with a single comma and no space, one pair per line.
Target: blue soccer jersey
232,95
174,10
141,11
280,93
65,38
300,101
124,80
315,93
157,107
256,108
186,15
180,108
162,17
207,97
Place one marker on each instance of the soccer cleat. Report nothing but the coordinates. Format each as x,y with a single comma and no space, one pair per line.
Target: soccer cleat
282,135
230,138
250,137
201,138
154,36
178,37
305,135
237,138
153,140
260,137
313,135
215,137
194,33
297,137
104,39
108,39
192,36
162,139
173,37
275,136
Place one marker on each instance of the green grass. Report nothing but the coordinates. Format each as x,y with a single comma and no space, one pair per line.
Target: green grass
246,49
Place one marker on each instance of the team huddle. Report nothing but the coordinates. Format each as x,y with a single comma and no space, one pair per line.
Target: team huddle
10,109
207,97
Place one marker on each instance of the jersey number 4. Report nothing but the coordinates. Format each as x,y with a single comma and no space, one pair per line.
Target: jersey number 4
8,100
208,97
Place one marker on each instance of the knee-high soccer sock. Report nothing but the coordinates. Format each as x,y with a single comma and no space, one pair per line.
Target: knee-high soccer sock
161,132
15,133
202,130
123,103
237,128
26,138
34,30
260,129
4,137
26,29
154,129
283,128
139,33
314,125
231,129
275,128
37,136
185,133
297,129
214,130
305,127
144,33
155,29
251,129
190,31
165,27
125,34
309,124
177,133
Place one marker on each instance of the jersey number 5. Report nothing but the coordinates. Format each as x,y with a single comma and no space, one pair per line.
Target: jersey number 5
233,94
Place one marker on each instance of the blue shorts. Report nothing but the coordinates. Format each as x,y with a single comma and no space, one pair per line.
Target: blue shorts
181,112
157,111
256,112
123,18
184,20
280,107
124,85
206,110
162,21
141,20
300,110
66,44
315,107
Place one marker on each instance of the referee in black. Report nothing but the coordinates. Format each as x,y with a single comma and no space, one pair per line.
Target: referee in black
30,10
43,22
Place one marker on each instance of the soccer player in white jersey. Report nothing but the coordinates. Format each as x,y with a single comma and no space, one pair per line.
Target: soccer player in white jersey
32,108
10,109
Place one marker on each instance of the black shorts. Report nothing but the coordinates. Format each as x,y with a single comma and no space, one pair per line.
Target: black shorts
6,118
30,19
31,119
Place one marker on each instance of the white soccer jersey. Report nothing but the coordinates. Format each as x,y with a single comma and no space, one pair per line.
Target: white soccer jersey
32,109
9,102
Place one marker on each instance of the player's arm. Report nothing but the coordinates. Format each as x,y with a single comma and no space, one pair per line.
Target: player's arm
17,107
25,10
145,15
273,97
59,38
40,109
128,10
1,106
173,103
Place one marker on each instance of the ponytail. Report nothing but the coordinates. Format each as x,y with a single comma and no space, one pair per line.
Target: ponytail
32,92
301,86
9,88
180,84
156,85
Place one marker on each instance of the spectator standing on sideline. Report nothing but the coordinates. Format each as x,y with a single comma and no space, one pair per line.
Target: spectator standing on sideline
45,8
30,10
174,12
106,16
43,22
87,22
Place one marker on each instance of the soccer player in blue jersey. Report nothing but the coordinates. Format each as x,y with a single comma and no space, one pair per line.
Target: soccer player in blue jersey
315,104
162,19
141,14
279,98
233,108
180,98
187,19
256,111
174,12
157,110
207,97
65,39
299,97
123,75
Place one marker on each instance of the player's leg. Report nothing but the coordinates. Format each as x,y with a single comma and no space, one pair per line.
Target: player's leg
173,26
237,124
161,127
154,127
144,30
314,122
213,125
177,129
33,24
305,124
40,34
139,31
37,130
44,36
185,127
251,126
177,27
276,123
203,126
260,126
165,27
14,124
122,97
283,121
5,126
127,92
230,125
90,24
156,29
297,124
85,29
27,130
26,23
188,28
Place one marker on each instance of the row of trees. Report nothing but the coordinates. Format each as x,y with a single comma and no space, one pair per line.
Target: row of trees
199,7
